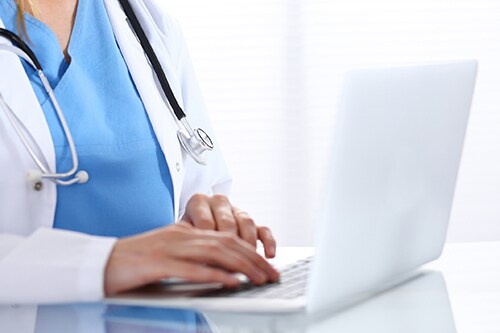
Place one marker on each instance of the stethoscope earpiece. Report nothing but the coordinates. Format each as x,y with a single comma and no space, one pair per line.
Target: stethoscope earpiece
82,176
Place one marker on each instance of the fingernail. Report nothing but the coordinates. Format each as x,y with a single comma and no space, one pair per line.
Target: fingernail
271,252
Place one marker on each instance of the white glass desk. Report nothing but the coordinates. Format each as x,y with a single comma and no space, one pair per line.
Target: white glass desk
458,293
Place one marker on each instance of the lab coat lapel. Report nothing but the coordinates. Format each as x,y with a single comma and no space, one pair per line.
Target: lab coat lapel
143,75
13,83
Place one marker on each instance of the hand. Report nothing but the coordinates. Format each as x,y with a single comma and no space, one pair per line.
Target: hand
217,213
183,251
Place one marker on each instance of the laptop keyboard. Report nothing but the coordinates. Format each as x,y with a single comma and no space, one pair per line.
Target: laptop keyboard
292,284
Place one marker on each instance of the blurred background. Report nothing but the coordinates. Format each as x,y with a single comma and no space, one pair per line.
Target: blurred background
271,73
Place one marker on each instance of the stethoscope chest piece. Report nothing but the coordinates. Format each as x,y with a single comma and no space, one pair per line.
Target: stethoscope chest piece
195,144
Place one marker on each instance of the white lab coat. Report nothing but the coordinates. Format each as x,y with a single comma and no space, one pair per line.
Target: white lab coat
41,264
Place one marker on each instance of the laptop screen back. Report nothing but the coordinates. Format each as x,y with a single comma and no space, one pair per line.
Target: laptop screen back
397,146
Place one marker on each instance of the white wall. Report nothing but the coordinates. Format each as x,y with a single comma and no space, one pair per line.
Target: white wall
271,72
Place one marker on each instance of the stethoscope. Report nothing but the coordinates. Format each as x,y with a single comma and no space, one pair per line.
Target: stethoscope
194,141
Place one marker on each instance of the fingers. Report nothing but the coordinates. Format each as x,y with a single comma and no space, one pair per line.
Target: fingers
217,213
211,213
216,254
185,252
247,229
223,214
194,272
266,237
237,245
199,213
212,247
220,249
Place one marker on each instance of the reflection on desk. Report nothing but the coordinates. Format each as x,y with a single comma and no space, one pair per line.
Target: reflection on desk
420,305
99,318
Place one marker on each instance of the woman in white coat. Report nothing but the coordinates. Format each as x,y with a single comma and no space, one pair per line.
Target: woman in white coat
115,232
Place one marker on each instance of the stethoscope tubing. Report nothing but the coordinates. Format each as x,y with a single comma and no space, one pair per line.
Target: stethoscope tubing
20,44
153,59
46,173
193,141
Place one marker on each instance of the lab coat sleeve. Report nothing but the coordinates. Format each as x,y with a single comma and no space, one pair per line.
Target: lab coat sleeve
213,178
52,266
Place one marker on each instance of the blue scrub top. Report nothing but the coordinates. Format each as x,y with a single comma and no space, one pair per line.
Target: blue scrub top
130,189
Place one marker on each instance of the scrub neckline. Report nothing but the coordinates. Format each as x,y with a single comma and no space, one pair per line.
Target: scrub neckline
73,45
75,31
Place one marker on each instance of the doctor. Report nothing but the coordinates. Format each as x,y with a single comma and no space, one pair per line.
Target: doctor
111,230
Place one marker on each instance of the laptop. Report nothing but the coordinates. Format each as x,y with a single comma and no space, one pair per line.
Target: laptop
420,304
397,145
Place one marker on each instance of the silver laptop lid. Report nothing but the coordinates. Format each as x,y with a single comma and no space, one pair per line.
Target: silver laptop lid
396,153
